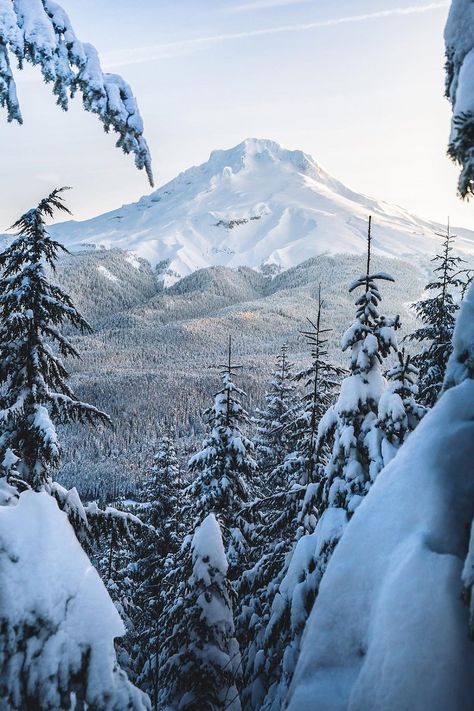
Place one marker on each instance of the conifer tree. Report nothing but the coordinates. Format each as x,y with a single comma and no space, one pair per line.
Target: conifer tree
459,39
224,470
350,445
351,425
438,315
399,412
200,666
264,633
158,552
116,569
34,382
320,382
58,624
272,439
160,493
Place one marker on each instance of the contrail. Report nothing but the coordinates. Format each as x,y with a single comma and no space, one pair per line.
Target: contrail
187,46
264,5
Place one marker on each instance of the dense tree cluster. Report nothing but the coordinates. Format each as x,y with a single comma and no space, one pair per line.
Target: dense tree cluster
214,567
217,568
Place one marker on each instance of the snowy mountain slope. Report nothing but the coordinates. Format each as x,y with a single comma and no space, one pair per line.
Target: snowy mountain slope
255,204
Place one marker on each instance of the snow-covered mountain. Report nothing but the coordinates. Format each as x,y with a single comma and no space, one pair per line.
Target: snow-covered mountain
253,205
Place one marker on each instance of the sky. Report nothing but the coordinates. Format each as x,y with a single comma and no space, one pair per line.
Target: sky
358,85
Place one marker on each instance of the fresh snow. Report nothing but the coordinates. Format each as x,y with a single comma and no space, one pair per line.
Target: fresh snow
107,273
207,544
40,32
459,39
389,629
251,205
461,363
53,597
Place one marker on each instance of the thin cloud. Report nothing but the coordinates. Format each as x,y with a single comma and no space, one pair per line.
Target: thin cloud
188,46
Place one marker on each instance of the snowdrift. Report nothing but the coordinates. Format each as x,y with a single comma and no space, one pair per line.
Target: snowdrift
389,630
57,620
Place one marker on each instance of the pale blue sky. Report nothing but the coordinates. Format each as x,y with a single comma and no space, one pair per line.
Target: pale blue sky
359,85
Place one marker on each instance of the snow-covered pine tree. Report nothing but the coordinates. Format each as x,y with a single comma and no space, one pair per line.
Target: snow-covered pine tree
58,624
266,630
460,369
116,568
41,33
160,493
351,444
224,470
407,540
272,424
200,667
34,392
320,381
399,412
350,427
438,315
158,550
33,379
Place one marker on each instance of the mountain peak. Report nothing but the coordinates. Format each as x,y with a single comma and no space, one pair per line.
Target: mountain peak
254,151
256,204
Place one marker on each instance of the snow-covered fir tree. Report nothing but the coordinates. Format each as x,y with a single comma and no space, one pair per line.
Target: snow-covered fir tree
160,493
399,412
40,33
34,389
350,427
350,444
116,568
264,629
437,313
58,624
200,659
225,469
408,540
459,38
158,551
35,395
273,422
320,382
460,369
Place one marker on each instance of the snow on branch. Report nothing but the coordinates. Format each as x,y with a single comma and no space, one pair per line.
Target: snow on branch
459,39
40,32
58,622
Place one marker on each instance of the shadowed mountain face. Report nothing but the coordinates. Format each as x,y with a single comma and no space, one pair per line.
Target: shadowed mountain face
256,205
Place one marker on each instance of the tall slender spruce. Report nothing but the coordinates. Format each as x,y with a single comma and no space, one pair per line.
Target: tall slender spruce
350,447
438,313
200,659
158,550
265,631
34,389
273,431
225,468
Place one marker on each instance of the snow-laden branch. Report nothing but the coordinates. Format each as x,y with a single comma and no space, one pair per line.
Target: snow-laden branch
459,38
40,32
